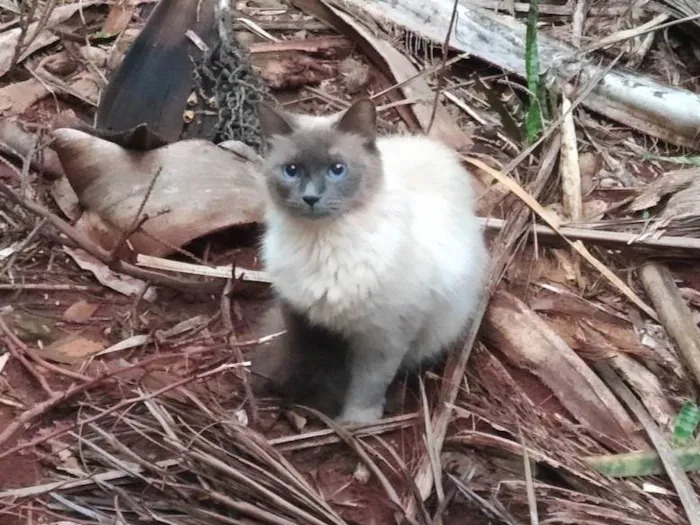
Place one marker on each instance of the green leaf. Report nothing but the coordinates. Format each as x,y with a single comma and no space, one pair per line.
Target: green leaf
685,424
646,463
533,123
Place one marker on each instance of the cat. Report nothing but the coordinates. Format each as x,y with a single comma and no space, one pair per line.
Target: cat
371,240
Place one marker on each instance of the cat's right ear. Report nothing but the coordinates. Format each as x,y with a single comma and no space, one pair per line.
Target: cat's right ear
360,119
273,122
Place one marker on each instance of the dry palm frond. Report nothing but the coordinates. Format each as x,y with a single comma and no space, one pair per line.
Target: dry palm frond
171,462
680,8
566,489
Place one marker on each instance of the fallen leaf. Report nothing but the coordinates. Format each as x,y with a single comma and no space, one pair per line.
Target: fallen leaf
529,343
63,452
70,349
3,360
361,474
121,283
80,311
118,18
197,188
132,342
241,417
668,184
10,250
61,64
594,210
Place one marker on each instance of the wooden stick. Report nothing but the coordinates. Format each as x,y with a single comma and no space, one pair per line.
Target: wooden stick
46,287
673,313
309,45
688,246
569,166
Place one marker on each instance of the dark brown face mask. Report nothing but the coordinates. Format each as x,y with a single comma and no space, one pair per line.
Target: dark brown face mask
322,170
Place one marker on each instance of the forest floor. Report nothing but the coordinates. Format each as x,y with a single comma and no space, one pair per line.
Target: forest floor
127,399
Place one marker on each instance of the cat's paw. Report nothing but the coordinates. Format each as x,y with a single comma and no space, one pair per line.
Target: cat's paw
365,415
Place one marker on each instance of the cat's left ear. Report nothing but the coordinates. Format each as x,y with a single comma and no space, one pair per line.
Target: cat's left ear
273,122
360,119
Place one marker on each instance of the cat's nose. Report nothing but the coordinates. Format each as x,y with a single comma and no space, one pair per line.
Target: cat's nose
311,199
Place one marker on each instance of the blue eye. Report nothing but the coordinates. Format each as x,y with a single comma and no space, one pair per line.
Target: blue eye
290,170
337,170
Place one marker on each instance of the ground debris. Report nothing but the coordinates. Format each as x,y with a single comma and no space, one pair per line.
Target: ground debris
126,339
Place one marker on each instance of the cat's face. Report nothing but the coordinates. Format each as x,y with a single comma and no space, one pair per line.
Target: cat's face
319,168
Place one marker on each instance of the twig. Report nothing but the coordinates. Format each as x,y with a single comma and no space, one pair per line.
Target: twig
357,447
309,45
441,74
678,477
19,355
689,246
584,92
40,409
45,287
17,142
328,436
25,22
674,313
238,475
101,254
486,507
38,359
578,246
138,219
579,18
531,498
231,339
570,170
28,239
655,24
222,272
427,71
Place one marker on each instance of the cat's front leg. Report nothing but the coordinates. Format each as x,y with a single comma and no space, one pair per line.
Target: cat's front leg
375,359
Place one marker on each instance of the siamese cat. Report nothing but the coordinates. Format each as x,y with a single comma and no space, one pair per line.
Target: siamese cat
373,250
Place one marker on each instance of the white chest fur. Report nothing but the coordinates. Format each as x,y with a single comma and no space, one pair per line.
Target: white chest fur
334,272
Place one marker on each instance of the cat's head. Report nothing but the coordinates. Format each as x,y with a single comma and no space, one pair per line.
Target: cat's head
321,167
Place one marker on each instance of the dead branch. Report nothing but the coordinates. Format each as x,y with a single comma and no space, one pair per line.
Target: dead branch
57,398
17,354
665,245
104,256
674,314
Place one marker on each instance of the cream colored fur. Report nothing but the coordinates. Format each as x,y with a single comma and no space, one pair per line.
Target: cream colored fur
401,276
